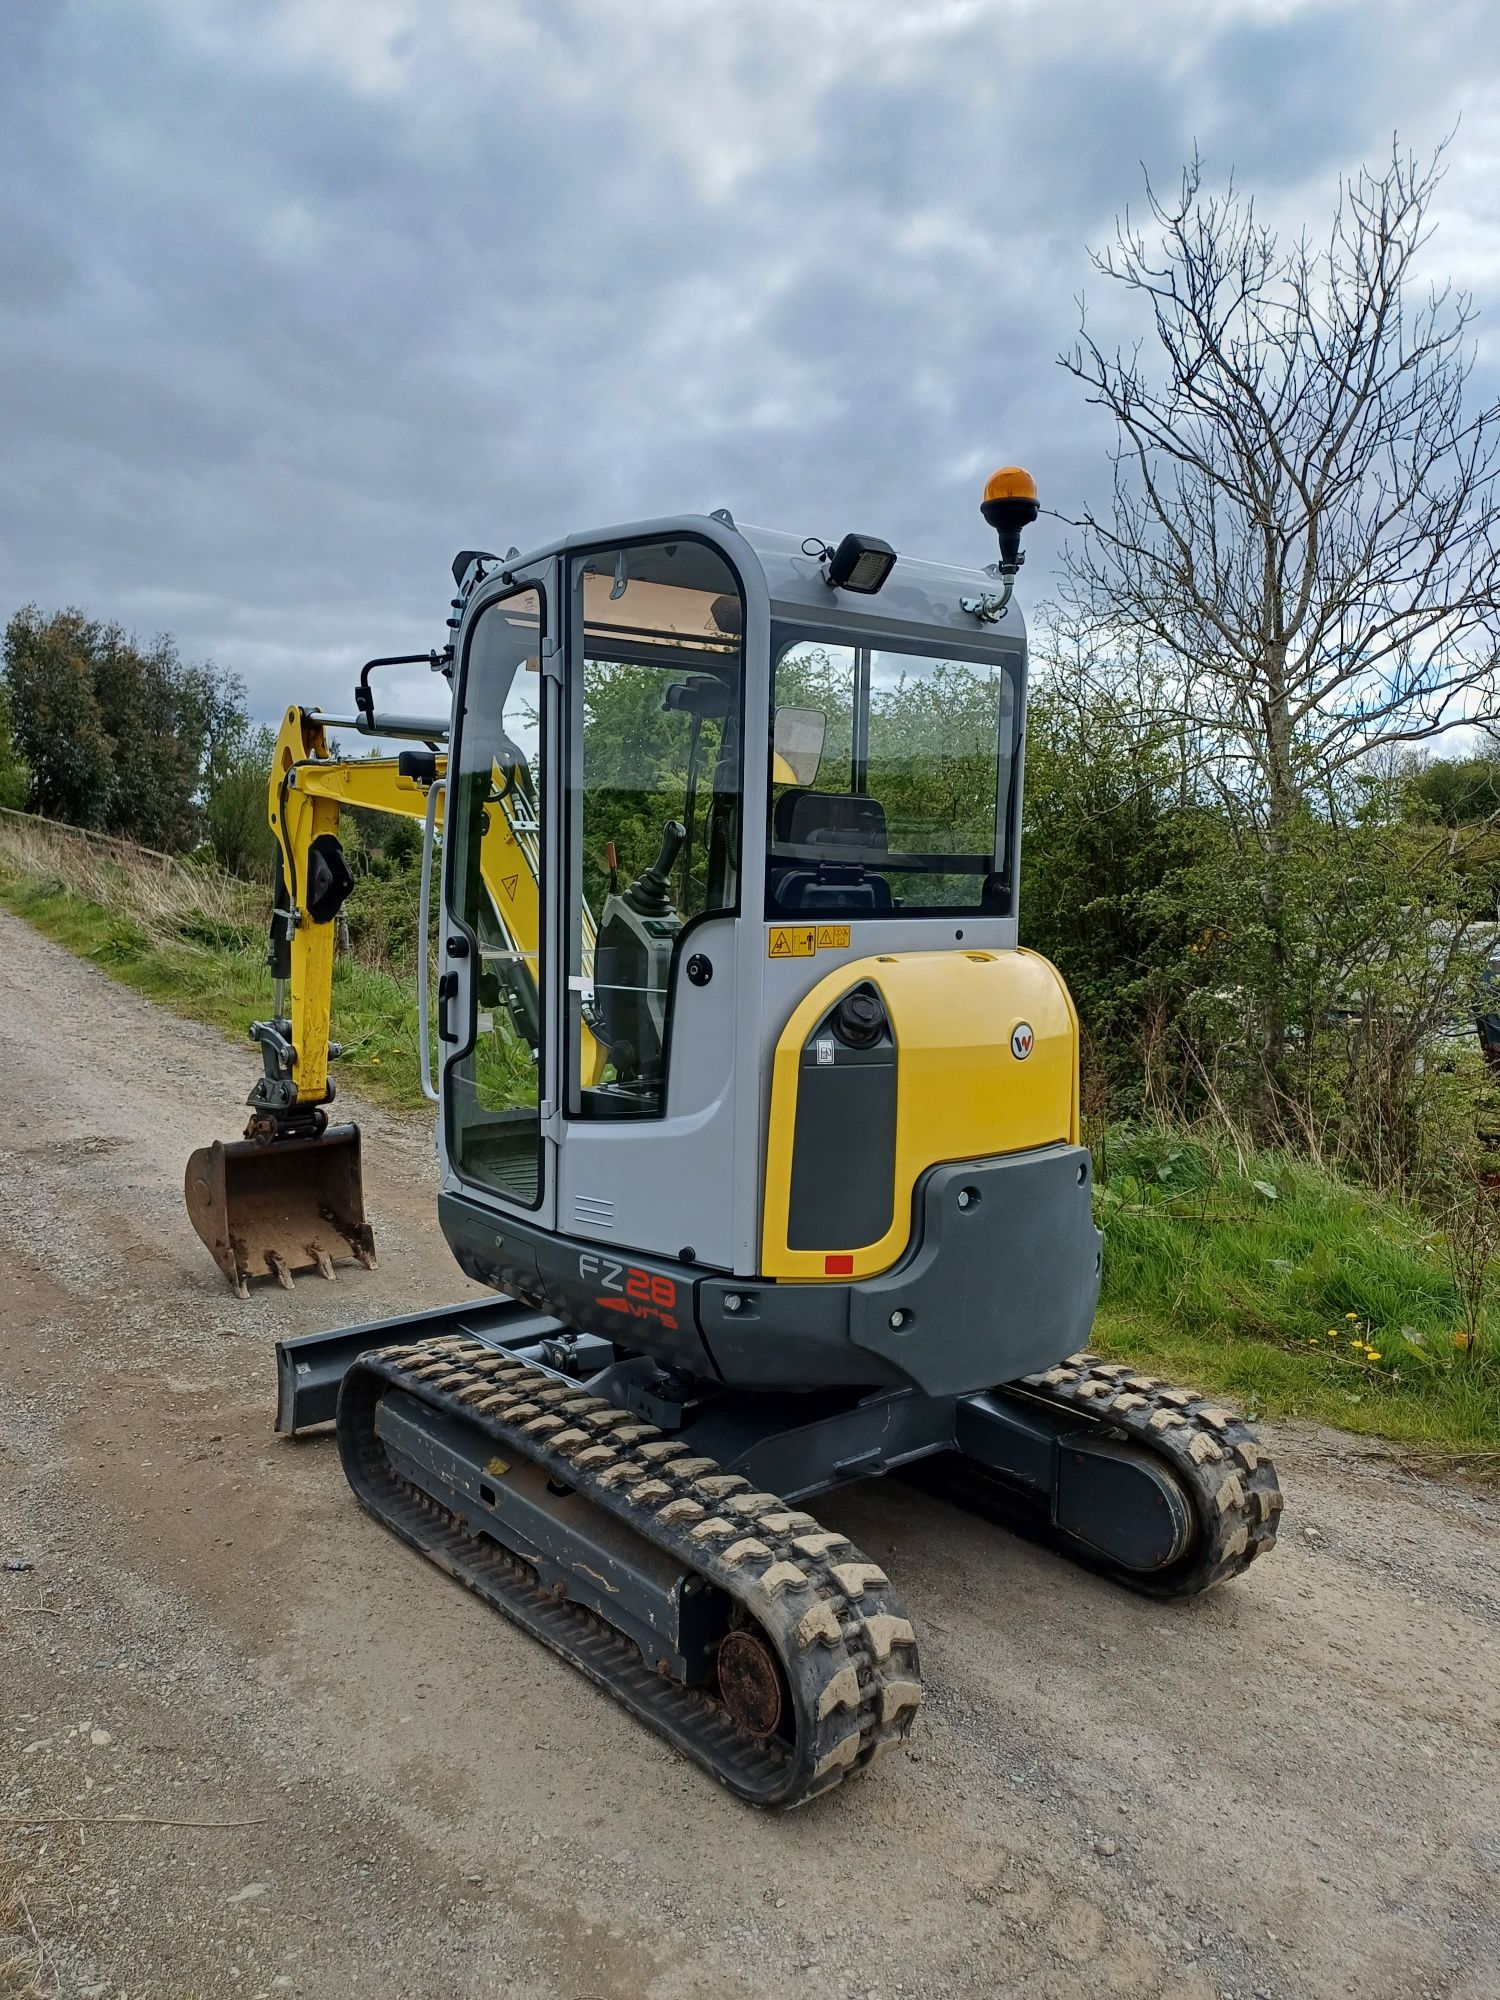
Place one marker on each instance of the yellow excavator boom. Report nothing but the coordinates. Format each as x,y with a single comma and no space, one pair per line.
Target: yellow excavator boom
289,1194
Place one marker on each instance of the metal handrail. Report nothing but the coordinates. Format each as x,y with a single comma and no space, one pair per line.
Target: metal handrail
424,916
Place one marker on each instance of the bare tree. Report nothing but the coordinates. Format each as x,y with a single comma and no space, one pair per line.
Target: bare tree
1306,516
1305,519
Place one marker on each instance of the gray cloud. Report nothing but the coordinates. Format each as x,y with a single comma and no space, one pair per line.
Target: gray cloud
295,301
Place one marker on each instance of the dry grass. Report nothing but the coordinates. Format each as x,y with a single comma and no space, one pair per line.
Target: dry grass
26,1972
158,896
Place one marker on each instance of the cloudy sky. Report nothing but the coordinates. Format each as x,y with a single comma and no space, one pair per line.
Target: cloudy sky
296,299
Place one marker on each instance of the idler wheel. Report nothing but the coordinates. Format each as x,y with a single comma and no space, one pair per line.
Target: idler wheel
750,1682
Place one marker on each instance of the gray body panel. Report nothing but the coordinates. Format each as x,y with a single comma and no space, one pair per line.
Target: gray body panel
992,1288
988,1291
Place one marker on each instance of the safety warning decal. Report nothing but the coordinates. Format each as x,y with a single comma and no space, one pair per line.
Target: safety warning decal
804,940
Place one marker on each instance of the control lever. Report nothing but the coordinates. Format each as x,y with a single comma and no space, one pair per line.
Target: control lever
650,893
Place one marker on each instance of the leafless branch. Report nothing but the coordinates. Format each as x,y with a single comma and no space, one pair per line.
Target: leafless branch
1305,517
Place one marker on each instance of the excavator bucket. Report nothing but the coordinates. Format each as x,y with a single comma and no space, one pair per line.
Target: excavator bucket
267,1210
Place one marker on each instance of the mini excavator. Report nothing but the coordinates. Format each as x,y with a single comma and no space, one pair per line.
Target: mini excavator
754,1117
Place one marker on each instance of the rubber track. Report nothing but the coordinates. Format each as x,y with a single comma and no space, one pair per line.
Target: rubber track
1228,1474
846,1646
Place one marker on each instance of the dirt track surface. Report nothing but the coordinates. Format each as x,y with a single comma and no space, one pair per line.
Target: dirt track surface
1289,1787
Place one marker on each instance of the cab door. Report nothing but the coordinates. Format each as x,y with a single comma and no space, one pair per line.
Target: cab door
654,733
497,949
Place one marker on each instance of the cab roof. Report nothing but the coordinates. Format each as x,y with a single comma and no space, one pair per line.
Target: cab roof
920,601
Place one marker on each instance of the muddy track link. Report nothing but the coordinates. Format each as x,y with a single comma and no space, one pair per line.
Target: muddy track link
843,1641
1225,1470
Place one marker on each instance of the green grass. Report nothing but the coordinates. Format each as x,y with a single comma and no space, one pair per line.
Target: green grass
1222,1275
1270,1284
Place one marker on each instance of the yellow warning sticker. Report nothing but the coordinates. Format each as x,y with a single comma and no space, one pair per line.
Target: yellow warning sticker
791,941
803,940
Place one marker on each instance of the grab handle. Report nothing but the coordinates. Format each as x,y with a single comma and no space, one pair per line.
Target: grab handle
424,921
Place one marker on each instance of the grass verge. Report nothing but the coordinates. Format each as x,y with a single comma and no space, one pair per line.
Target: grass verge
1264,1280
195,941
1294,1292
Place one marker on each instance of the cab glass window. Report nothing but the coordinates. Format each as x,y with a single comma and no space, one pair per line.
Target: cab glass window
905,808
654,734
492,838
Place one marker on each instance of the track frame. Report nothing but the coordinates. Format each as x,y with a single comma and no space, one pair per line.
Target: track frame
1155,1485
844,1648
527,1461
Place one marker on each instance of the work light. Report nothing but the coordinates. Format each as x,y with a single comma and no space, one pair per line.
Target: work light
862,563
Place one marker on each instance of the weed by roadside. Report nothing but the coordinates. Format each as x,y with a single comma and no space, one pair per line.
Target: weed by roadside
194,940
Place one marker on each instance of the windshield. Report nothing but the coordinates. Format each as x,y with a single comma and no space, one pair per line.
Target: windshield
910,810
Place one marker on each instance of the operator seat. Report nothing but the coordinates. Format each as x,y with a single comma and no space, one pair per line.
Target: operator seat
847,821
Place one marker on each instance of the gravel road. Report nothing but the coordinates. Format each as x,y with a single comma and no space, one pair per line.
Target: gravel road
341,1775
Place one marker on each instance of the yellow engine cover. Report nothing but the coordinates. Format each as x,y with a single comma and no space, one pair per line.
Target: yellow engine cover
963,1092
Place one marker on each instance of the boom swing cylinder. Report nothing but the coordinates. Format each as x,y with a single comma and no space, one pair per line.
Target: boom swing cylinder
765,1130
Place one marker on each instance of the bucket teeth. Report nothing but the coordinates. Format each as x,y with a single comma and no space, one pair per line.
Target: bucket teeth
271,1206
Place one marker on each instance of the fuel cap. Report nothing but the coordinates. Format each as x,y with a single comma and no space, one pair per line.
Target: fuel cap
858,1019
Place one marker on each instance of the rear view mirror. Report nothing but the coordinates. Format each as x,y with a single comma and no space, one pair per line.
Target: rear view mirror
798,744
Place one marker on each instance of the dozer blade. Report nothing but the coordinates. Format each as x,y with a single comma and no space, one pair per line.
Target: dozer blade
267,1210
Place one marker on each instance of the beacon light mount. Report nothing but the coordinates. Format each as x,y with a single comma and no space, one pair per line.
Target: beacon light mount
1010,505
